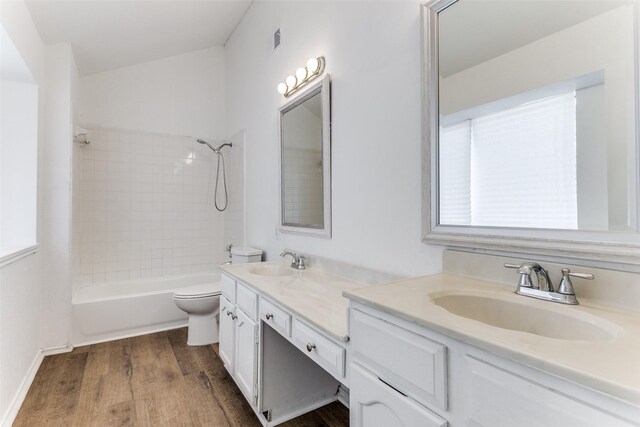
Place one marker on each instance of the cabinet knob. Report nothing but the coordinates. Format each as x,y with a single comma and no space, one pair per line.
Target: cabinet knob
269,316
310,347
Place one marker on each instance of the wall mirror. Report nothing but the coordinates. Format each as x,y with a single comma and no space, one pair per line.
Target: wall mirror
305,162
530,124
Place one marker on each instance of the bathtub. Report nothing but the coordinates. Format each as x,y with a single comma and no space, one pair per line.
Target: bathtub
109,311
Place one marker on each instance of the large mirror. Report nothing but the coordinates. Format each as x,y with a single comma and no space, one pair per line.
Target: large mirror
531,126
305,157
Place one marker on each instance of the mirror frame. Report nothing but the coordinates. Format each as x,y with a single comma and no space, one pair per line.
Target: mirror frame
322,87
601,246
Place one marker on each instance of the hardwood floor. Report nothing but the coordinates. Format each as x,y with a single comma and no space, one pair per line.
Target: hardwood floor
151,380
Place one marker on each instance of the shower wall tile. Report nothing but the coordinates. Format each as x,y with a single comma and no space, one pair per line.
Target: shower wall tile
303,186
234,215
143,207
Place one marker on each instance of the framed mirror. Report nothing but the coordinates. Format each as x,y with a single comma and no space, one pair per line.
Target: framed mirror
305,162
530,127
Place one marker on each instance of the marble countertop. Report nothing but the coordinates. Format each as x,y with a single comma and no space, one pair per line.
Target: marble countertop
312,294
611,366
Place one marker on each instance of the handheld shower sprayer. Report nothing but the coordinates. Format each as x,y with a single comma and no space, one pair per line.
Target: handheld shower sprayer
215,150
224,177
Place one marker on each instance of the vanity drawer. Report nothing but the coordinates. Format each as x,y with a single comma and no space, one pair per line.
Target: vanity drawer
247,301
228,287
275,317
411,363
374,403
321,349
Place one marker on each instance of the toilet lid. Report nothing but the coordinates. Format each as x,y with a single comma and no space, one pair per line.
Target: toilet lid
198,291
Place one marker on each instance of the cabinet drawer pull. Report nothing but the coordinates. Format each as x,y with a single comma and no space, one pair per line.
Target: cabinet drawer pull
228,313
310,347
269,316
234,317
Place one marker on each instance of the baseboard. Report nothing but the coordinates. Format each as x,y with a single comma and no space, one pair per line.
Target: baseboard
11,413
138,333
50,351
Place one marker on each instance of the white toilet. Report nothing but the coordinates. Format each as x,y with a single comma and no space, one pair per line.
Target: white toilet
202,302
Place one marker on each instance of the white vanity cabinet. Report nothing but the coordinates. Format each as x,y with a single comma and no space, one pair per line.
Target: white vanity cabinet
239,340
246,356
284,365
227,333
375,403
403,374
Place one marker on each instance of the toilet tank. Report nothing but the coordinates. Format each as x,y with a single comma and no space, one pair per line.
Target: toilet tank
243,254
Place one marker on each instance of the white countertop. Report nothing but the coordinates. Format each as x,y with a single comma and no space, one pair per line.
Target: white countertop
610,366
312,294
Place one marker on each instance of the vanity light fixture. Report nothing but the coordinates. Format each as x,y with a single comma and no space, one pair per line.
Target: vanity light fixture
303,75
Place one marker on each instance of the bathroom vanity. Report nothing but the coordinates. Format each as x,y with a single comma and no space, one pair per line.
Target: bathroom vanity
284,337
458,348
453,350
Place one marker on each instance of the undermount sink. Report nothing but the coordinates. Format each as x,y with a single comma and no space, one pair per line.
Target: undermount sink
528,316
272,271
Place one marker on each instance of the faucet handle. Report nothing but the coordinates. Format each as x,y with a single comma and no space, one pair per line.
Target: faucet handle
524,270
566,287
587,276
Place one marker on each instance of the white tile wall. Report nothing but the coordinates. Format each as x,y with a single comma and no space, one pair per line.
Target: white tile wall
303,186
234,215
143,207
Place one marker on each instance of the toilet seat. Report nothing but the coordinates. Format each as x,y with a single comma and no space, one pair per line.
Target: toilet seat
202,290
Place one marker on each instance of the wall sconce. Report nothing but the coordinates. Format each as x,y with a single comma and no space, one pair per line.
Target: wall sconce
303,75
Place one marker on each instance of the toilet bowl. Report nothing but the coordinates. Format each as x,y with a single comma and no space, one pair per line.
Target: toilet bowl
202,303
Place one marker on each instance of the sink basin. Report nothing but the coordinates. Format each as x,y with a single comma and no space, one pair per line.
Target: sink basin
559,322
272,271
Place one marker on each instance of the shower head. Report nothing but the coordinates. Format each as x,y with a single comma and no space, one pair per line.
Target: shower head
215,150
202,141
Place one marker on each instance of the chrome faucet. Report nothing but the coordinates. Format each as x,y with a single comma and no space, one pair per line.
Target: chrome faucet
544,288
297,261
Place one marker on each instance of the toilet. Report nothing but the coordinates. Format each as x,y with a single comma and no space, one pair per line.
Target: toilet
202,301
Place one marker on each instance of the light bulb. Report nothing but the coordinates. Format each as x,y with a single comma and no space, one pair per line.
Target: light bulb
312,65
291,82
282,88
301,74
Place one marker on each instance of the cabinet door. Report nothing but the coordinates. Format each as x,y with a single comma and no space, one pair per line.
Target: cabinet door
374,403
245,372
227,333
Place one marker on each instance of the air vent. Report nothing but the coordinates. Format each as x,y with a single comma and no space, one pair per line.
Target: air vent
276,38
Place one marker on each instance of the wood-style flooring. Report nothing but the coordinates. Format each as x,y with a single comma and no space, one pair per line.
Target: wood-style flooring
151,380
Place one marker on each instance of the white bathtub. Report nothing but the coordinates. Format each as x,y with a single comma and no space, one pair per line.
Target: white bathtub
109,311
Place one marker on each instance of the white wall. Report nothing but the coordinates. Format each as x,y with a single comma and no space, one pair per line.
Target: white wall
55,195
373,55
35,291
20,282
180,95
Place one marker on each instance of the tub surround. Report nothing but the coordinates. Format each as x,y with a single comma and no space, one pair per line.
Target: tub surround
312,294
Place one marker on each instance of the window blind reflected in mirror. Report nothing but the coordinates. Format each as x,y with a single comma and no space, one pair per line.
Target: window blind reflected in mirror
515,167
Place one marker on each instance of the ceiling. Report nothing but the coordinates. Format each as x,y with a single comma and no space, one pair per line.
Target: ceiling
109,34
472,31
